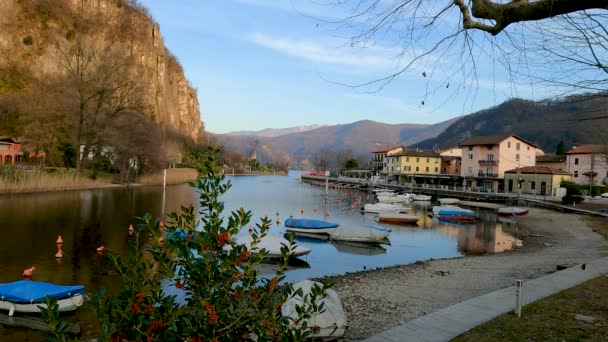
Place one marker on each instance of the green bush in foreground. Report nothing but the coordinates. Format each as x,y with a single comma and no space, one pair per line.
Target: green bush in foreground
225,300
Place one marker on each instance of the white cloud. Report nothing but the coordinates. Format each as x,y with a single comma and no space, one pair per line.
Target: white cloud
327,53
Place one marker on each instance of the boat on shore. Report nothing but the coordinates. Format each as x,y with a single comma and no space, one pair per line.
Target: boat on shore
512,211
373,234
396,218
310,226
26,296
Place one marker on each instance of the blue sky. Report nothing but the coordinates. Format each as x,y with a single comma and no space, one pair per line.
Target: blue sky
267,64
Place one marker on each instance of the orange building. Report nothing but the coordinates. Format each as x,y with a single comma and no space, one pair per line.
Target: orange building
11,153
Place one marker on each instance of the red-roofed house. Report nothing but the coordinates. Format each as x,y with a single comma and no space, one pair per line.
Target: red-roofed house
379,158
486,158
588,163
10,151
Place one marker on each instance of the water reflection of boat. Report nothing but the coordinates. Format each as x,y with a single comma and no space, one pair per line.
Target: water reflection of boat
358,248
272,244
512,211
488,237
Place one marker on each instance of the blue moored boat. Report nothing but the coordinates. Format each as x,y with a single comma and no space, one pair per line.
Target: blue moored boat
310,226
26,296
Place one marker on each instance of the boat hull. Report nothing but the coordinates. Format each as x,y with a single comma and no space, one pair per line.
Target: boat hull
512,212
66,304
310,231
405,219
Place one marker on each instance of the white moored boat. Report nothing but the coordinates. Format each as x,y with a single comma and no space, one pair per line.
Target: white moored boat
393,199
26,296
371,234
328,325
382,207
445,201
272,244
421,198
512,211
396,218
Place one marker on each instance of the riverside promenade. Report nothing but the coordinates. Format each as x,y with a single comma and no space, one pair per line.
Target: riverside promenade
454,320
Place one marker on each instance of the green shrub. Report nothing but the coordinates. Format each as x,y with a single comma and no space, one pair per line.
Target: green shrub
28,40
225,297
568,199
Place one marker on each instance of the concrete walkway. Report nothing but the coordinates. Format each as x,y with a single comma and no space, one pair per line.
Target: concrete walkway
448,323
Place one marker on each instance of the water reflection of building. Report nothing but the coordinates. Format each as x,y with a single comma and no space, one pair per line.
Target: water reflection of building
484,237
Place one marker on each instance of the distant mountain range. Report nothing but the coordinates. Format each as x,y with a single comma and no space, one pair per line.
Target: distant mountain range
275,132
575,120
359,137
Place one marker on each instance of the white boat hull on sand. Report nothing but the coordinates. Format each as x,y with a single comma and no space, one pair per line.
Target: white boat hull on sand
330,324
66,304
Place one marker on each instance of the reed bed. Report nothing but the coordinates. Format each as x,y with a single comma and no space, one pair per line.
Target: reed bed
174,176
28,182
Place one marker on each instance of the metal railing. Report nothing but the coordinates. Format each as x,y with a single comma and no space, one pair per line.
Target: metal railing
488,162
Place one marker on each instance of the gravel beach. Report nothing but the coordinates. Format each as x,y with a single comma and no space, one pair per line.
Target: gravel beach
379,299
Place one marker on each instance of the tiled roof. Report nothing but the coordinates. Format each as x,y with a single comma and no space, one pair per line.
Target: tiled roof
493,140
550,158
4,138
589,148
386,149
539,170
416,152
450,158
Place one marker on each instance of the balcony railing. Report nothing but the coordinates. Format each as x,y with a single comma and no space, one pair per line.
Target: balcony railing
488,162
487,175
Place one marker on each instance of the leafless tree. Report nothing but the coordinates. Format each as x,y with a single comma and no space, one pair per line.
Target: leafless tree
559,43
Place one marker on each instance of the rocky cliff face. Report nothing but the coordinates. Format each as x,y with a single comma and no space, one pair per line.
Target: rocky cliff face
34,32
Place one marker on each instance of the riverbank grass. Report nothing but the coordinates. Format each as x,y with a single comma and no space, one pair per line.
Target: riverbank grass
553,318
174,176
30,182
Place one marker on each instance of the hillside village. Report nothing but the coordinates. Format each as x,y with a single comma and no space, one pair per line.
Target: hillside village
491,163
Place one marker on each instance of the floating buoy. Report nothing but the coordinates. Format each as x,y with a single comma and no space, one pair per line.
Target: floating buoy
131,230
265,216
59,240
100,249
302,211
315,210
277,213
59,252
278,222
250,228
290,216
28,272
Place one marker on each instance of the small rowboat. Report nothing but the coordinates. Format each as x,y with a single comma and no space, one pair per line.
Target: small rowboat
397,218
421,198
454,213
272,245
382,208
512,211
373,234
310,226
445,201
25,296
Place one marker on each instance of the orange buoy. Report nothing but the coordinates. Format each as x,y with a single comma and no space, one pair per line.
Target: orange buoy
59,252
291,216
131,230
277,213
302,211
100,249
250,228
59,240
315,210
28,272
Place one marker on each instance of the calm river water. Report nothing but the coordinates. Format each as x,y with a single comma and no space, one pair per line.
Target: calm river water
88,219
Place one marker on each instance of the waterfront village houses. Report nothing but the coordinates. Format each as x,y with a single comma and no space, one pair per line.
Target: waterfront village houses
551,160
486,158
537,180
451,161
588,164
11,153
413,162
379,158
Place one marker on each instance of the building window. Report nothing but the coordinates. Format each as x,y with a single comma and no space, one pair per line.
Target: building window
470,156
444,170
427,169
490,157
436,161
470,148
517,146
436,169
517,157
508,144
470,169
417,159
532,185
407,159
575,173
528,159
417,168
528,148
575,161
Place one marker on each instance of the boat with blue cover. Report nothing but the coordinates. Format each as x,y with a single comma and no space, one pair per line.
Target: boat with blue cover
310,226
454,213
25,296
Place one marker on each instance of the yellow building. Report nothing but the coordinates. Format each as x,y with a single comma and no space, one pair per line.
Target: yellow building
413,161
536,180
